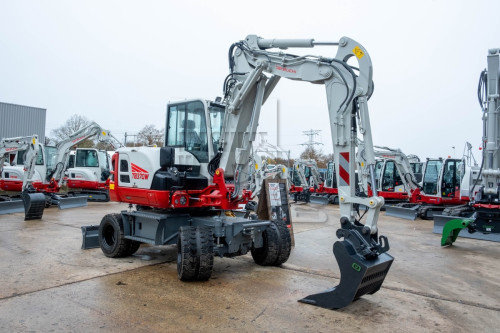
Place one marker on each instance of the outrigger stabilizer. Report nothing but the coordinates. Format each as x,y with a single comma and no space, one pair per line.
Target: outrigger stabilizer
363,264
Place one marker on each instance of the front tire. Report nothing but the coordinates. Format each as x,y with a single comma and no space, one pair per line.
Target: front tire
195,253
111,239
277,245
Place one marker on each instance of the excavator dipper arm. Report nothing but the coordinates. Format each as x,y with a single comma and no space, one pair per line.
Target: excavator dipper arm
254,72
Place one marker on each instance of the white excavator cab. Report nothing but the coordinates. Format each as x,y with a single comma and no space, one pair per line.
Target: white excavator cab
194,129
442,178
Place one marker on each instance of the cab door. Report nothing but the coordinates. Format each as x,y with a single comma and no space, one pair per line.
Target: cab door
124,171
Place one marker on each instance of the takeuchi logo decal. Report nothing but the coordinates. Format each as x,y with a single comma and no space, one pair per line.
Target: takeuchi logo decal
139,173
78,139
284,69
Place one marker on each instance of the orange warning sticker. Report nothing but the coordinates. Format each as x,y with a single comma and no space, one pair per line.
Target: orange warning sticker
358,52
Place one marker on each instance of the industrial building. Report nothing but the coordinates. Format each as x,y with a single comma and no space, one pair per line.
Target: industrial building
19,120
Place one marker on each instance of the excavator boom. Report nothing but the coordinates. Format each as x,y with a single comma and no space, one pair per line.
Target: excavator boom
254,72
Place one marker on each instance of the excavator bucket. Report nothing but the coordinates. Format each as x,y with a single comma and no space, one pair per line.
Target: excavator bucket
319,199
90,235
34,204
402,212
11,206
358,276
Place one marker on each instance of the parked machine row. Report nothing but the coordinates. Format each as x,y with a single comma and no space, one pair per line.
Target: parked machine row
483,213
37,172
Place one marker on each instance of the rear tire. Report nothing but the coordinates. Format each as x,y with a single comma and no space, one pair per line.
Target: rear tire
277,245
133,247
195,253
111,238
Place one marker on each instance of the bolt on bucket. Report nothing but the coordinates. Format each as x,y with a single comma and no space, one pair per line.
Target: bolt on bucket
90,235
358,276
363,264
34,204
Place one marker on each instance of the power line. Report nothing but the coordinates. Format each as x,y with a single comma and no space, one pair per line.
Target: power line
310,142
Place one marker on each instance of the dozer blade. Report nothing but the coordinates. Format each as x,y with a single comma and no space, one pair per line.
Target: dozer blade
402,212
319,199
11,206
90,235
71,202
358,276
34,204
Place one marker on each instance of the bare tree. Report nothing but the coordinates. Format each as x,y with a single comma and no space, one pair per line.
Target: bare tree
313,154
150,136
73,124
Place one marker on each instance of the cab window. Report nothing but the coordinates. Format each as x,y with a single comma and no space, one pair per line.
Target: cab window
187,127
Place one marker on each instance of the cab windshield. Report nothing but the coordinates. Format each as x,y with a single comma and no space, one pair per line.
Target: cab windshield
186,127
86,158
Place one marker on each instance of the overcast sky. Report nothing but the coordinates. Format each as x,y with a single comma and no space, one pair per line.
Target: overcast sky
120,62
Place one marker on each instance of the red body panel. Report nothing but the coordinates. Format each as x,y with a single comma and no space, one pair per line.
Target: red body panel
417,197
86,184
217,195
294,189
17,186
393,195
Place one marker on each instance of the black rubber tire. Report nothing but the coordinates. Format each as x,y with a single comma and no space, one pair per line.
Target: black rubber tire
195,253
205,246
277,245
111,238
133,247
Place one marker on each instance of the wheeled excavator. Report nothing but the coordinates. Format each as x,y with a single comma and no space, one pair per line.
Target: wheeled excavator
46,174
485,202
184,193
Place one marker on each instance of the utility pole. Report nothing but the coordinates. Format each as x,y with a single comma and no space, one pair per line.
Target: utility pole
310,142
126,135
